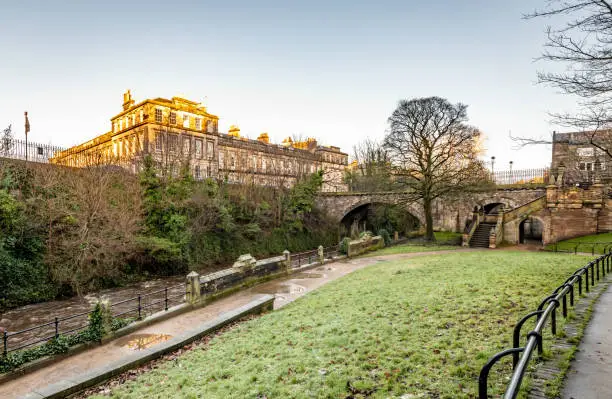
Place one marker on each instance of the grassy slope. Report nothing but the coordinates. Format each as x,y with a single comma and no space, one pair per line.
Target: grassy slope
421,326
411,248
585,243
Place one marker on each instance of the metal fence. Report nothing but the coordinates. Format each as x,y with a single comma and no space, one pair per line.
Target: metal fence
521,176
546,311
585,247
36,152
136,308
308,257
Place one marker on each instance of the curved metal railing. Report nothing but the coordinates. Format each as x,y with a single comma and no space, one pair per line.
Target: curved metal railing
546,311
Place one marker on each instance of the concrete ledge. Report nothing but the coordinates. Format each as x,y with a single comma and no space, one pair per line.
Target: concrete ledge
79,382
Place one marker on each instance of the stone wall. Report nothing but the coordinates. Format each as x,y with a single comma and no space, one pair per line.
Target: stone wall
366,244
244,271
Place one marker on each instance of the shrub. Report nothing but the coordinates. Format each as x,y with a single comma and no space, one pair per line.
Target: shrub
385,235
344,245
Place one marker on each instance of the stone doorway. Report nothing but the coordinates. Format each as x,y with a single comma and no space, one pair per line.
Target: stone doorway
530,231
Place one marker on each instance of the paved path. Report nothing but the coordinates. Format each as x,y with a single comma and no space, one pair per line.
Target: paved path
590,375
286,290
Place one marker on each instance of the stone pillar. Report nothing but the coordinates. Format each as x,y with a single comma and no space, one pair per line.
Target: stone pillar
192,288
492,239
287,258
552,196
396,236
321,253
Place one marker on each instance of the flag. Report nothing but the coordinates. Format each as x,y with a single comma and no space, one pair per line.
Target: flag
27,123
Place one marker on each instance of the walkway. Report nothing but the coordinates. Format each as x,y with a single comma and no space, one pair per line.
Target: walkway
286,290
589,374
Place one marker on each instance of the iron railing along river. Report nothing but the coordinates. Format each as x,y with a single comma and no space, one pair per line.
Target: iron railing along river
136,307
546,311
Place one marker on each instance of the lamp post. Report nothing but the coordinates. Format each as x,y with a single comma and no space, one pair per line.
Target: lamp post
510,182
493,164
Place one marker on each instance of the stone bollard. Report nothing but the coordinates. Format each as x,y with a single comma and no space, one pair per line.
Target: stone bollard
492,240
287,258
321,253
396,236
192,288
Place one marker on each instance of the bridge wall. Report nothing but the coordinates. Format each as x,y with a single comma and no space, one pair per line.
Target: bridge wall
449,215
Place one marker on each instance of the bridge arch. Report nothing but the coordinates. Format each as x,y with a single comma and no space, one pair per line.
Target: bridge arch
364,215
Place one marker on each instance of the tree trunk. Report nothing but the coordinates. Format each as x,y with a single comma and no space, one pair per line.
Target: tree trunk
429,234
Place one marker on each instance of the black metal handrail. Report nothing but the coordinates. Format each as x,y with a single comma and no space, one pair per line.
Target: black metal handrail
138,309
546,310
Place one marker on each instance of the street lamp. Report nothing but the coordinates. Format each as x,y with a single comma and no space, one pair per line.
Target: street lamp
511,172
492,164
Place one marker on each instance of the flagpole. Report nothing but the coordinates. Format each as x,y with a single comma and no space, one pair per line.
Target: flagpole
27,129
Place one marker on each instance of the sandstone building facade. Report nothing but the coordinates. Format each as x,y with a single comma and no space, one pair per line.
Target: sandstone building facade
581,160
179,132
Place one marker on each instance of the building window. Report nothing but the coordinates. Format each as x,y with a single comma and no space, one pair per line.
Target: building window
158,115
585,152
221,160
198,123
232,161
185,120
263,164
173,142
210,149
197,172
208,173
198,148
208,126
186,145
159,141
172,118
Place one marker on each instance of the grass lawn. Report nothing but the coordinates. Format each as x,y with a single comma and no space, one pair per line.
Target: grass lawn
585,243
422,326
410,248
448,236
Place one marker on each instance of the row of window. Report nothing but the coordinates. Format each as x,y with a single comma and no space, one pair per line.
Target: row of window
253,162
211,125
130,120
188,145
341,159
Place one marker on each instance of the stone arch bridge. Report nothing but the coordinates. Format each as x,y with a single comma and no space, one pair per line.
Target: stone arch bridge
448,214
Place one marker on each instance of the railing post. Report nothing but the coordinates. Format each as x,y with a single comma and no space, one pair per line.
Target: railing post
139,307
597,267
592,274
5,342
166,299
564,306
553,321
580,285
56,328
571,294
586,279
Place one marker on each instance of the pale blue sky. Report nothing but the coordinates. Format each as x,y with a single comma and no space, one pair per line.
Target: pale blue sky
329,69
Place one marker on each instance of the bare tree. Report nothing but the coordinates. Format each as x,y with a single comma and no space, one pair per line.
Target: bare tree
6,141
371,172
433,151
583,45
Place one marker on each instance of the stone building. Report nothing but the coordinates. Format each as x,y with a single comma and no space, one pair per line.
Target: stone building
180,132
582,160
